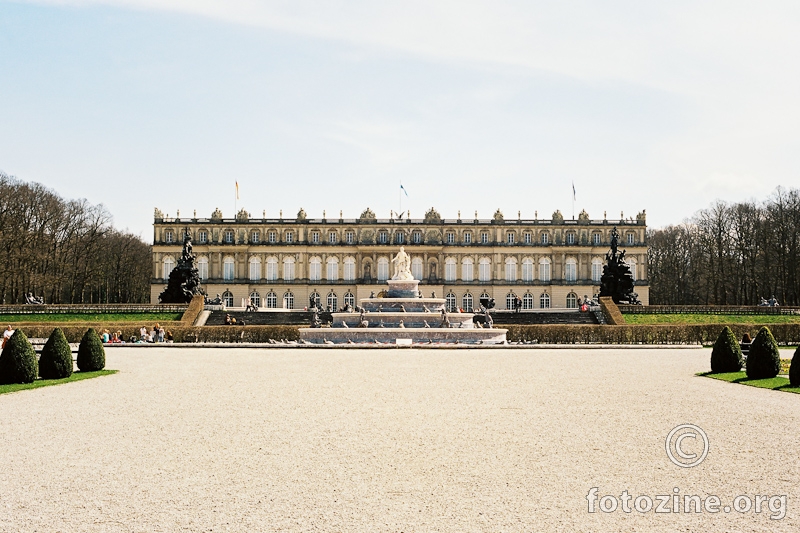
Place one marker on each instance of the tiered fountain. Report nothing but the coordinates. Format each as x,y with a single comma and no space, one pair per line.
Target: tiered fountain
403,317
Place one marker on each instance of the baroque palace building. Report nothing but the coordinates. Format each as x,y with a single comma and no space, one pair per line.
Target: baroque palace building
281,262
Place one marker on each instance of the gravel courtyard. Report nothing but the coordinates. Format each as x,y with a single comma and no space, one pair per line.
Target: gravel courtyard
391,440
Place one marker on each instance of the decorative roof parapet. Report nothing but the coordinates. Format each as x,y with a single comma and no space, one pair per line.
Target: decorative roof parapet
432,216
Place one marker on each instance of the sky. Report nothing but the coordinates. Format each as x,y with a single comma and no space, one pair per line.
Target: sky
471,105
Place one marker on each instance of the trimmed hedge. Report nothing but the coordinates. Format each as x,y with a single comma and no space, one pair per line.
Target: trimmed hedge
727,354
18,360
56,359
794,369
91,354
764,359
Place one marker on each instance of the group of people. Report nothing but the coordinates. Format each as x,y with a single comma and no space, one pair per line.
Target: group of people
156,334
231,321
111,338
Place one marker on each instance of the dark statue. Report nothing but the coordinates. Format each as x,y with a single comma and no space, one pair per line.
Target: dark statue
617,280
184,280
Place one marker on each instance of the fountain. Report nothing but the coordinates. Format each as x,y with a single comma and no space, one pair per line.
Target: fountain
404,316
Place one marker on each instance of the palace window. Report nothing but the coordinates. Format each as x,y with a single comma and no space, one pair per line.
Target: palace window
332,237
349,299
273,237
349,270
510,238
595,239
228,268
632,263
484,269
450,301
597,270
631,238
466,269
333,269
272,300
255,269
416,237
417,268
571,270
544,270
202,268
255,237
467,238
314,269
527,269
228,236
202,236
168,236
528,237
466,303
511,300
227,298
399,237
169,264
288,269
289,237
484,238
383,237
570,237
572,301
544,301
288,300
314,297
451,237
383,269
511,270
333,302
314,237
450,269
255,299
545,238
527,301
272,268
349,237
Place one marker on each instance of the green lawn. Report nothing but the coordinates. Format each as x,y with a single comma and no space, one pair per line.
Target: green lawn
776,383
143,318
700,318
76,376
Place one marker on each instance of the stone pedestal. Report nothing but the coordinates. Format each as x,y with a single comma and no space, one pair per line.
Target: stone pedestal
402,288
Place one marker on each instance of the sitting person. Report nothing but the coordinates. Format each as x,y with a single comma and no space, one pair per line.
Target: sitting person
105,337
227,320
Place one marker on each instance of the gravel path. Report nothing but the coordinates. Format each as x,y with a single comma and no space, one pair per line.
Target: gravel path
400,440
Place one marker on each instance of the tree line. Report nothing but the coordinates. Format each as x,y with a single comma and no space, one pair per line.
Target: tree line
66,250
729,254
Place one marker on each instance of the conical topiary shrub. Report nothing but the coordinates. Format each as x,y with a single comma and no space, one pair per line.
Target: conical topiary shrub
18,360
91,354
726,356
56,359
764,359
794,369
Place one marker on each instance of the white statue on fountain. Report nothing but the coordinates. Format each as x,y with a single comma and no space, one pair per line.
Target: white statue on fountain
402,266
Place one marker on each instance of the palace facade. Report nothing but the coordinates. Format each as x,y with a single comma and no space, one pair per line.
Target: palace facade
281,262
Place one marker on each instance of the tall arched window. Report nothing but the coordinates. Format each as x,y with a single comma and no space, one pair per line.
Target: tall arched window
527,301
349,268
572,301
511,269
228,269
288,298
333,302
383,269
333,269
169,264
255,269
632,263
544,301
417,268
315,269
450,269
527,269
484,269
349,299
450,301
467,269
202,268
544,270
511,299
571,270
466,303
255,299
288,271
272,300
227,298
597,270
484,296
314,297
272,268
